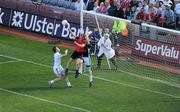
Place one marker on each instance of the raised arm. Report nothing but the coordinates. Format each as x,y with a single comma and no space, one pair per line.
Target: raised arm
81,45
65,53
72,33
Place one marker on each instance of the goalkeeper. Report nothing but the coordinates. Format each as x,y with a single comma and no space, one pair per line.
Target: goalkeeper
105,48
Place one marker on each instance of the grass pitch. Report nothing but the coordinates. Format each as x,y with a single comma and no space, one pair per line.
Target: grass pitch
26,66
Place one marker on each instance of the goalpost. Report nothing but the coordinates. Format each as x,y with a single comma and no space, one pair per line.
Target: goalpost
166,68
93,21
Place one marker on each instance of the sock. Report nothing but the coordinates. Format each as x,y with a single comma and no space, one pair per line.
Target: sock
68,84
66,70
80,70
90,78
52,81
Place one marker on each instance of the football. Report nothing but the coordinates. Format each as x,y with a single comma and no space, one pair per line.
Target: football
65,22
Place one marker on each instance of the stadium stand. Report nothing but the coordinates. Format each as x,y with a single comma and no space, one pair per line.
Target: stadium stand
131,10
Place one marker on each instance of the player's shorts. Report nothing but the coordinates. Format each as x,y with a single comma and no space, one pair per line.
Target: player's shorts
76,55
58,70
87,61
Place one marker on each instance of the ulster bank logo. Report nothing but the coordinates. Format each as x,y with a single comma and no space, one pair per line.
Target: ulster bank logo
1,15
17,19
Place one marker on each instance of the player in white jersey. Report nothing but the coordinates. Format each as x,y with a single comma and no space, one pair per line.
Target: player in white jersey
105,48
57,68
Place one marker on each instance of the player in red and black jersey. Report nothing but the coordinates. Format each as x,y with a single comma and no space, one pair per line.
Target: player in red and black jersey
86,60
77,54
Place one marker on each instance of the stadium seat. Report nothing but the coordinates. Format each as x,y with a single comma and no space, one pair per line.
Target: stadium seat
54,2
67,4
60,3
46,1
72,6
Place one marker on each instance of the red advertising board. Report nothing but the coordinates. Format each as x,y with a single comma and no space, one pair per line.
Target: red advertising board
156,50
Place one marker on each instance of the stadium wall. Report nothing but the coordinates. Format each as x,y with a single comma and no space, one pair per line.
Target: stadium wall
35,23
156,50
48,20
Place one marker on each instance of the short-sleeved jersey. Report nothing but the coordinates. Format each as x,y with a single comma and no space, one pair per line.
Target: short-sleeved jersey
57,59
80,41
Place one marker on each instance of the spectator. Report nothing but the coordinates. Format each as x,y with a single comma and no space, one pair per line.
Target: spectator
164,3
112,9
158,18
78,5
138,9
111,2
157,7
177,12
102,8
135,3
152,2
120,12
96,7
133,14
140,15
90,5
151,13
168,17
146,7
99,1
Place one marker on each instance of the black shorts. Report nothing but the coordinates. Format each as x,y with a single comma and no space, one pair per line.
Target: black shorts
76,55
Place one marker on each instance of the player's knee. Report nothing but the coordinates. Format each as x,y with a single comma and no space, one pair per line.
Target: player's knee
79,61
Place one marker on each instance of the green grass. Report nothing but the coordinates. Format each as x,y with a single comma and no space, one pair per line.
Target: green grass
113,91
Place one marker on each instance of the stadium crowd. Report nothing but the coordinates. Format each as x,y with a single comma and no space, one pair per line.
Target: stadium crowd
164,13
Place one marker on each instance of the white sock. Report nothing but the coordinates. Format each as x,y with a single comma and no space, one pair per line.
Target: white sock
90,78
52,81
68,84
80,70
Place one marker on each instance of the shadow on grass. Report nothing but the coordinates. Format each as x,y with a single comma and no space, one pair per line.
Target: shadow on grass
25,89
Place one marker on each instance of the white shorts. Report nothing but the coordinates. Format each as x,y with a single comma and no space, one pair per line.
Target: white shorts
58,70
87,61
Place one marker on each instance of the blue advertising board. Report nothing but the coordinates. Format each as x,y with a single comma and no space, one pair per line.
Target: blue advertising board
36,23
5,15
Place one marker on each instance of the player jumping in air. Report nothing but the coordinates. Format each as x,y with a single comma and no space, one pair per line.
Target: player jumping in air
57,68
87,61
77,54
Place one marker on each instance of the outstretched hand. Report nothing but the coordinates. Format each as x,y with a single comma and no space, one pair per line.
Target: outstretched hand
66,51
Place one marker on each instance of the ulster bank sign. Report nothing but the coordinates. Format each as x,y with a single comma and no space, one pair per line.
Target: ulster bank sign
35,23
5,15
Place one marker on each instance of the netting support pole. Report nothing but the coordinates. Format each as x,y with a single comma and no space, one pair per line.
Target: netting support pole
81,15
108,63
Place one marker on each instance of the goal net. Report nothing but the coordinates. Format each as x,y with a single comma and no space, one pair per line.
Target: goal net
144,50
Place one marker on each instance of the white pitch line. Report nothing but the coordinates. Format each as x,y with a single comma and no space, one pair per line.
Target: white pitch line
136,87
132,74
107,80
148,78
8,62
45,100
